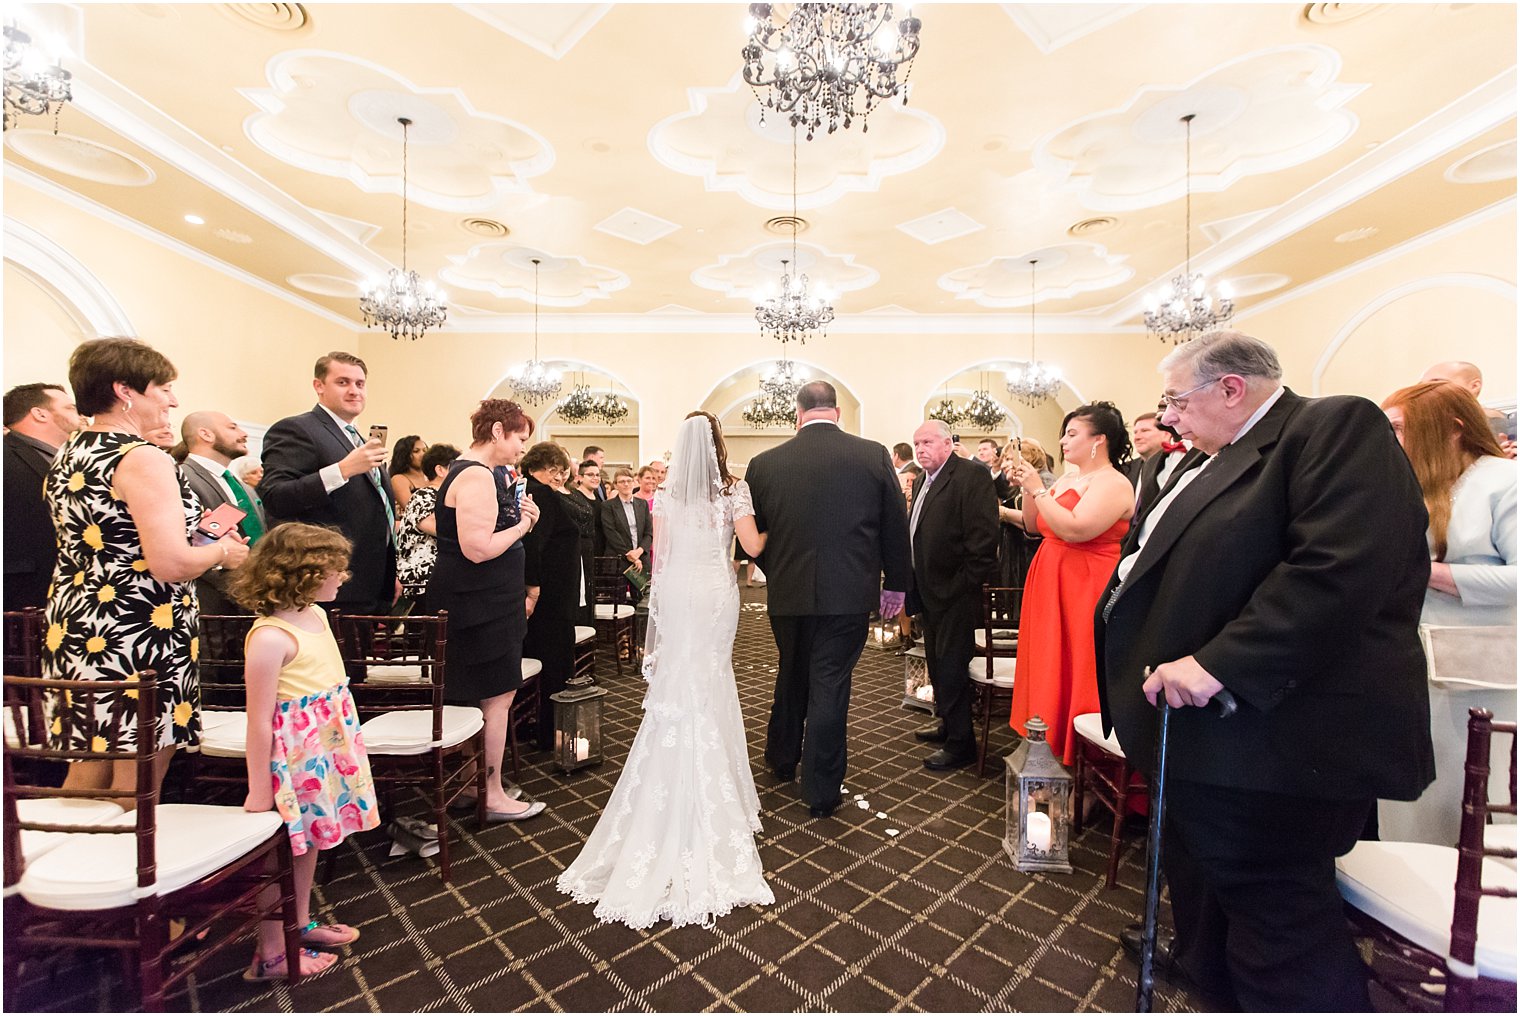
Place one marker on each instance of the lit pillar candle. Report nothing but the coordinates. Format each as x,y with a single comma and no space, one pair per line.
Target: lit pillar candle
583,752
1037,830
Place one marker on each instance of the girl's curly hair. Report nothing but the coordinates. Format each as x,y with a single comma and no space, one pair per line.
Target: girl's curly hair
287,567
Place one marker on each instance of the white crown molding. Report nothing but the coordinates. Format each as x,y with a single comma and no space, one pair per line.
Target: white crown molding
1477,112
555,50
83,296
744,324
15,174
1414,243
1469,280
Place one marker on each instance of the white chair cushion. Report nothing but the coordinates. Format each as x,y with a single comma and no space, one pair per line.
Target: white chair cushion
12,739
584,633
998,635
1002,671
224,735
401,673
604,611
59,811
531,667
411,732
1409,888
98,871
1089,727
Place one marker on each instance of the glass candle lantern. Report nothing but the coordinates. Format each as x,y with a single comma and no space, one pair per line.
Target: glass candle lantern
578,727
918,693
883,634
1038,831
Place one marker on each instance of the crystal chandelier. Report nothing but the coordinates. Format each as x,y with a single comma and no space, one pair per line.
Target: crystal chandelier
982,412
815,63
34,82
794,314
1034,382
610,409
402,303
776,403
579,406
535,381
1186,310
946,412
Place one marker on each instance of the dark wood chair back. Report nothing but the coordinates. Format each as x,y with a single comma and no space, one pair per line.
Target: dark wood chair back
381,640
219,660
608,582
23,658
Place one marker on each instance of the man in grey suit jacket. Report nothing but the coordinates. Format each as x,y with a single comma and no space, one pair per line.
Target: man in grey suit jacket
212,441
835,520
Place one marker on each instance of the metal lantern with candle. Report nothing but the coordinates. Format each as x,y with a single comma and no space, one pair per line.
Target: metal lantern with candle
1039,804
918,693
883,634
578,727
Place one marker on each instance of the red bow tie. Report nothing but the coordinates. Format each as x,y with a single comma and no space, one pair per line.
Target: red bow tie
1167,447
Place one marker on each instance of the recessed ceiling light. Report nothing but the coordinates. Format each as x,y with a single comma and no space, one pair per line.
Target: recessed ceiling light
195,220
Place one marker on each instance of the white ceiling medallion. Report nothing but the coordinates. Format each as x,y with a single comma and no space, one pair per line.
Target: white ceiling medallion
719,138
1065,270
505,269
552,29
1259,113
1496,162
937,227
1051,26
753,275
635,226
337,115
79,157
325,285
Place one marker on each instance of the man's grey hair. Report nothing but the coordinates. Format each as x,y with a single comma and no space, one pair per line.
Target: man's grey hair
817,395
940,427
1215,354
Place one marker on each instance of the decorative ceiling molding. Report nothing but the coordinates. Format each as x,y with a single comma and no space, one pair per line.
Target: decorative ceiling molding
80,157
355,229
552,29
1223,229
327,285
1051,26
719,139
1255,285
756,274
682,323
505,269
937,227
1258,113
335,114
638,227
82,296
1496,162
1064,271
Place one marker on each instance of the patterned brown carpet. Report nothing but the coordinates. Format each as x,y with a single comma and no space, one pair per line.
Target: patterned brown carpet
933,919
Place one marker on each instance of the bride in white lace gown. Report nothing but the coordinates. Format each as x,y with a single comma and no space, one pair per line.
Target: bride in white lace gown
676,842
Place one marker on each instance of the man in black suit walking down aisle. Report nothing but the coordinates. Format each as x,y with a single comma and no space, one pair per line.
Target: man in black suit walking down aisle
1289,568
833,511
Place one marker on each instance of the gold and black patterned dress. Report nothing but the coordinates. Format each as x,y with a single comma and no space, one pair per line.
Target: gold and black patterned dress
108,618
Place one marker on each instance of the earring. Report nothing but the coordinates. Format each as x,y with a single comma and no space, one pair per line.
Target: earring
128,407
1093,453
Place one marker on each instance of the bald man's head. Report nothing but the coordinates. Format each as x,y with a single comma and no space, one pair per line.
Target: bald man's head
1460,371
214,435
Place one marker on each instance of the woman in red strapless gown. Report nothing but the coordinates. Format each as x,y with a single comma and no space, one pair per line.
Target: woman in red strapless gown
1084,520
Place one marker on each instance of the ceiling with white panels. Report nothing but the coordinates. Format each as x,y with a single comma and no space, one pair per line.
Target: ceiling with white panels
618,144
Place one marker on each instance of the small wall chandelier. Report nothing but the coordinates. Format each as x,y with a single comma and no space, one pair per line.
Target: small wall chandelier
982,412
1034,382
535,381
794,314
610,409
402,303
1187,310
947,412
814,64
775,405
579,406
34,81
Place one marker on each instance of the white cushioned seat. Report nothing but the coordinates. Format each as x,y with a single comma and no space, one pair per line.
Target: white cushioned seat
584,633
12,739
1002,671
395,673
999,635
1090,727
59,811
604,611
531,667
410,732
98,871
1409,888
224,734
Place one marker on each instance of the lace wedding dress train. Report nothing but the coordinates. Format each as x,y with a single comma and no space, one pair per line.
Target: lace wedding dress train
676,842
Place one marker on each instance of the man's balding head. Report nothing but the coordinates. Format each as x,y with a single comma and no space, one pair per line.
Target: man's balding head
1460,371
214,435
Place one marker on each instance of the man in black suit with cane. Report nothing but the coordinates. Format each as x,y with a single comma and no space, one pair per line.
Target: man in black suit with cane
835,522
1261,572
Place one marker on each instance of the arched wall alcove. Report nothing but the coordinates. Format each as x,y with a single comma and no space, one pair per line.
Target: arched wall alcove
729,397
1042,422
619,441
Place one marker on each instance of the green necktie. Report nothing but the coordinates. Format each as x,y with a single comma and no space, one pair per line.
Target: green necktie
377,478
251,526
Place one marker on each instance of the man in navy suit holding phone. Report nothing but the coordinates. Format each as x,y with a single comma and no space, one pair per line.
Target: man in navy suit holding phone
319,470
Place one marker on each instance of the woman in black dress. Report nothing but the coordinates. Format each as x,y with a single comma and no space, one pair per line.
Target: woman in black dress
552,570
478,579
584,506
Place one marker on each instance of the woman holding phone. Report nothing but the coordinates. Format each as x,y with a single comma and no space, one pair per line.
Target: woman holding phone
478,578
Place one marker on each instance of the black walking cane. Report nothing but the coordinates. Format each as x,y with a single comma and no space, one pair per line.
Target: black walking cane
1225,705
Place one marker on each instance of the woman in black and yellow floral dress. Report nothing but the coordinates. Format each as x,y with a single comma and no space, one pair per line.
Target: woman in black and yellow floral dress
123,596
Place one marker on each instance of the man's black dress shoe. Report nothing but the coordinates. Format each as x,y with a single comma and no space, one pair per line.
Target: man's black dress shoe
785,775
942,760
934,732
823,812
1166,945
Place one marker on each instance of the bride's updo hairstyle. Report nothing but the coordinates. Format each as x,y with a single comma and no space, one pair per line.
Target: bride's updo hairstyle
719,448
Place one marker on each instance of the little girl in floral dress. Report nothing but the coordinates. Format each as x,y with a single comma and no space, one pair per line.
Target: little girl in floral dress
306,757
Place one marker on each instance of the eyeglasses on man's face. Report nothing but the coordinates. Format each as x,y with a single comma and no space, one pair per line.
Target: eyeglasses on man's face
1180,402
